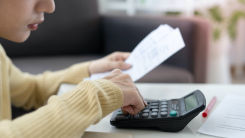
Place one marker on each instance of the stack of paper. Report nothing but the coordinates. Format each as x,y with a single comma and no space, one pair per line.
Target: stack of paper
157,47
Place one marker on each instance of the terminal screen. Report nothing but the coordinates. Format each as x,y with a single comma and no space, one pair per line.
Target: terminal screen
190,102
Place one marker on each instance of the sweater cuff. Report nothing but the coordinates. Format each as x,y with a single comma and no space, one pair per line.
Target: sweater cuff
77,73
99,94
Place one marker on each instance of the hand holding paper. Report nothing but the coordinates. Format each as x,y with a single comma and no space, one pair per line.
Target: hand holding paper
157,47
110,62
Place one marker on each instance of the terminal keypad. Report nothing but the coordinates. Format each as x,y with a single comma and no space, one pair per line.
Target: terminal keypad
154,109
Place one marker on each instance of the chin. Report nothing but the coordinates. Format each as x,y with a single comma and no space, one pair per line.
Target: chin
20,38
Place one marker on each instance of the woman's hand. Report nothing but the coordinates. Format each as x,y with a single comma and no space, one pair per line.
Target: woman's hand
133,100
110,62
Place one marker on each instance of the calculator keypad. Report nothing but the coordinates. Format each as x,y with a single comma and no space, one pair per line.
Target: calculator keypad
154,109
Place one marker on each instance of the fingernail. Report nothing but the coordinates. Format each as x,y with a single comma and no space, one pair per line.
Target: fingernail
127,65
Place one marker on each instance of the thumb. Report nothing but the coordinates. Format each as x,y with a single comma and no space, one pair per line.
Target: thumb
119,65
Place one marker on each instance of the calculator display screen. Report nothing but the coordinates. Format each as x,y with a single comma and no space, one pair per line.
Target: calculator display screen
190,102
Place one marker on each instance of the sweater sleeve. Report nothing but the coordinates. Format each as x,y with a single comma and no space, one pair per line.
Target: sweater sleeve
67,115
32,91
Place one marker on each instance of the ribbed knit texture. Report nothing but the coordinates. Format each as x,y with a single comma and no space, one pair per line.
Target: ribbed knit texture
65,116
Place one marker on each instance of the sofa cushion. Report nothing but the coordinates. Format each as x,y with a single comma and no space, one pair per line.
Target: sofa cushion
161,74
37,65
167,74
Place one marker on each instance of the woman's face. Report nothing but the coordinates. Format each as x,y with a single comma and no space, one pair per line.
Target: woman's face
19,17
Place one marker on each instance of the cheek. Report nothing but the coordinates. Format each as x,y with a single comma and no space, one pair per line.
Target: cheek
15,30
15,16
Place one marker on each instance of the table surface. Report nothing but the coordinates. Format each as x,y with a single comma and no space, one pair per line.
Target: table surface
169,91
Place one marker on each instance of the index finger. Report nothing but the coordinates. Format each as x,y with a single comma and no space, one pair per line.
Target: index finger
122,55
141,96
125,55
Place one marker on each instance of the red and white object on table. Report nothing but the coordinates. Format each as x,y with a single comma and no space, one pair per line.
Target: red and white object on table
210,106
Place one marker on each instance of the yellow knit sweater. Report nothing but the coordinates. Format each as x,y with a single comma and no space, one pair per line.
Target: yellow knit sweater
65,116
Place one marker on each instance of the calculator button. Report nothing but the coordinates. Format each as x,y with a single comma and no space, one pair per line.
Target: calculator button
136,116
145,115
164,109
122,117
119,113
164,100
164,103
154,101
154,104
163,114
154,110
164,106
154,107
173,113
154,114
146,111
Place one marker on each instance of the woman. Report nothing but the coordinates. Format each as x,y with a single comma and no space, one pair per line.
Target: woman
67,115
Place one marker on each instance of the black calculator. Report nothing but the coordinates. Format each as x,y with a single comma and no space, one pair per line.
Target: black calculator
167,115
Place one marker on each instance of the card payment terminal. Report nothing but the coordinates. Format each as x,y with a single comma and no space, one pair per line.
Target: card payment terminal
167,115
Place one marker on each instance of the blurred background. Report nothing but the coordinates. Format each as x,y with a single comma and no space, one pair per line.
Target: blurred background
213,30
227,20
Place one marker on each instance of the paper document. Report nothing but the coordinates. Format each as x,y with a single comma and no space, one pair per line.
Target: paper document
157,47
228,120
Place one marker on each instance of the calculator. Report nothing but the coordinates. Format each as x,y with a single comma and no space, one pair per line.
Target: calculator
167,115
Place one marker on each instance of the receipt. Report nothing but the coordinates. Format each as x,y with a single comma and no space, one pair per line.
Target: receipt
154,49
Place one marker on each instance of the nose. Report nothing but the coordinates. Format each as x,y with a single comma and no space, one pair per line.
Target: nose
47,6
